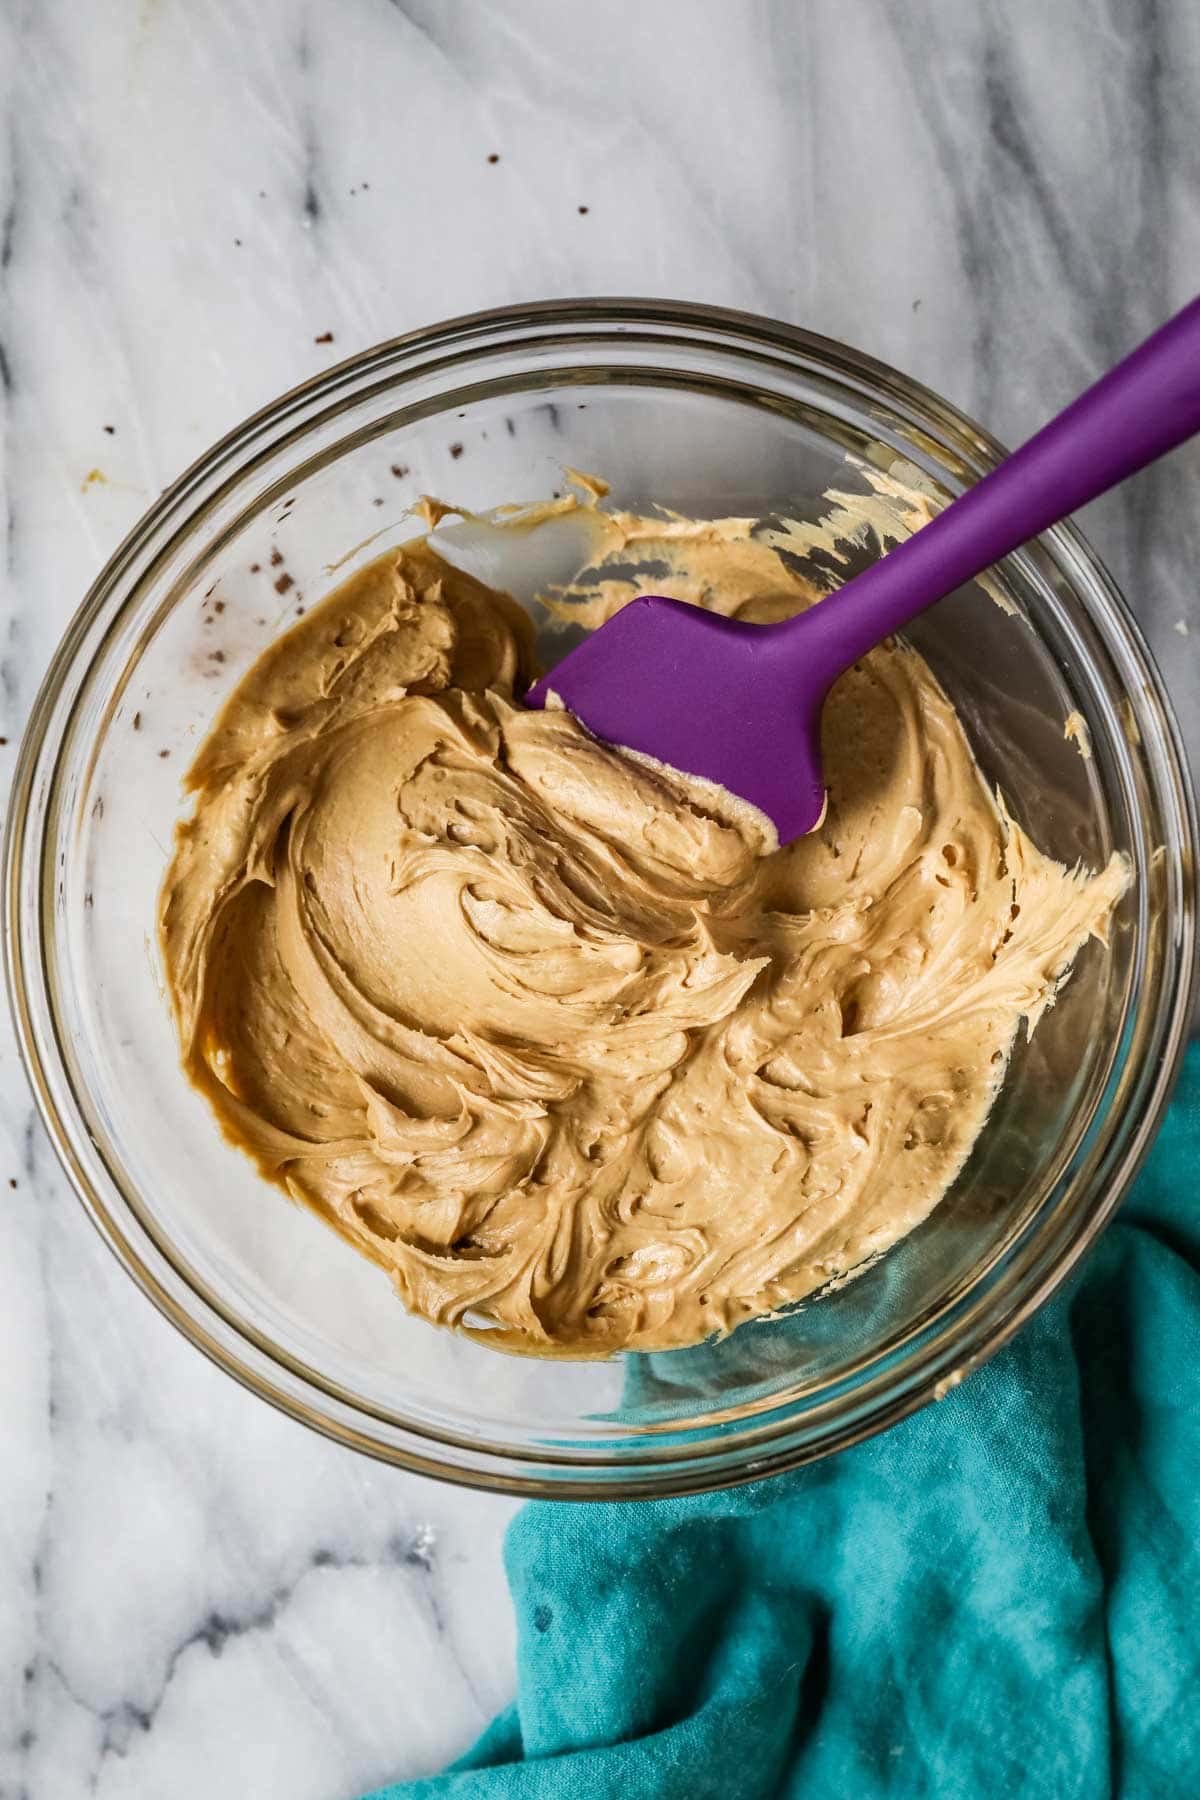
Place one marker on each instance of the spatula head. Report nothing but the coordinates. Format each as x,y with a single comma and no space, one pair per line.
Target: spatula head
708,696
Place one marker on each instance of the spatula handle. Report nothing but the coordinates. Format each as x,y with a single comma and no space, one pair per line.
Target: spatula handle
1144,407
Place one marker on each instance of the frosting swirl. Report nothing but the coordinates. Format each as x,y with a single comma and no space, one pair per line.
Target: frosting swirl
539,1026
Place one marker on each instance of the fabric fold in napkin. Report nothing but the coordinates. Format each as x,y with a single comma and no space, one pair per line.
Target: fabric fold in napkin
999,1596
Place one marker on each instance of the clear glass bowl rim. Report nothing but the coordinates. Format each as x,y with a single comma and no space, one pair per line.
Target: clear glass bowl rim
778,1440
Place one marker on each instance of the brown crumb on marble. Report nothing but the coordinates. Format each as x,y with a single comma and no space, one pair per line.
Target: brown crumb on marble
456,451
164,753
276,558
137,721
584,209
110,429
283,583
255,567
494,156
400,470
326,337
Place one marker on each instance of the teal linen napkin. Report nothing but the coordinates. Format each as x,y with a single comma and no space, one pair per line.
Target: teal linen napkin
999,1596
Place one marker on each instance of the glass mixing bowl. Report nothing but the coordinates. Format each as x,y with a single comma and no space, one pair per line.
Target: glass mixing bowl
707,412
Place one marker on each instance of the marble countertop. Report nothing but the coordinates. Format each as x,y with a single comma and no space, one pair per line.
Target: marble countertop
199,1596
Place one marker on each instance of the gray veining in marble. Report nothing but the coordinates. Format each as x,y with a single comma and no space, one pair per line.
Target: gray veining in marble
998,196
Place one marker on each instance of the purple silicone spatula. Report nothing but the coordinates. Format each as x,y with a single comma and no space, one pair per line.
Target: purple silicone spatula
741,704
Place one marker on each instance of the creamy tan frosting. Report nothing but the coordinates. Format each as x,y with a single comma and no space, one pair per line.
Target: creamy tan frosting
537,1026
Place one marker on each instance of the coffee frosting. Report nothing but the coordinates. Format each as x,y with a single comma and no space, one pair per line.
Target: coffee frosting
543,1029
